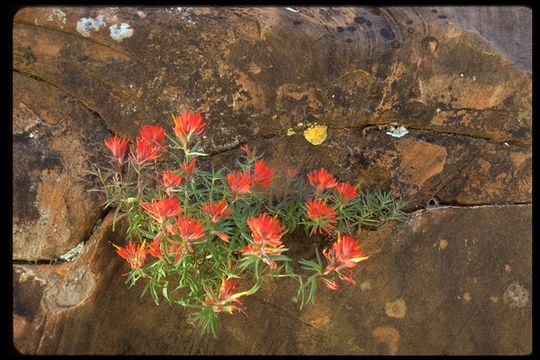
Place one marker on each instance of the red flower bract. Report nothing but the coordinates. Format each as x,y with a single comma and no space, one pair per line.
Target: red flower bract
154,248
216,210
262,174
228,297
170,180
145,151
118,146
346,191
239,183
265,230
186,124
344,253
135,255
190,229
162,209
152,134
321,179
321,213
188,168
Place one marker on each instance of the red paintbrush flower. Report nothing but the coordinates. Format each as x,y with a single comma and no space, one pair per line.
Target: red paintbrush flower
266,230
346,252
346,191
190,229
262,174
145,151
188,168
321,214
321,179
152,134
266,233
118,146
186,124
228,297
239,183
135,255
221,235
162,209
249,152
170,180
154,248
216,210
331,284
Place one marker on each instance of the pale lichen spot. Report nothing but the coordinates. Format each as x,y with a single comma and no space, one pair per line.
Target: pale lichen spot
366,285
290,132
120,32
316,134
85,25
494,299
467,297
516,296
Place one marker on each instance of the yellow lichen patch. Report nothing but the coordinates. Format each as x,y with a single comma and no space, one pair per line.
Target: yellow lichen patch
290,132
316,134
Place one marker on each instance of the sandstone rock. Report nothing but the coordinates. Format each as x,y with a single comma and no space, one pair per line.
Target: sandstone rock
54,140
455,81
408,265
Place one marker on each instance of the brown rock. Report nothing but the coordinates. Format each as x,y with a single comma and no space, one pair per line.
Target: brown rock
55,139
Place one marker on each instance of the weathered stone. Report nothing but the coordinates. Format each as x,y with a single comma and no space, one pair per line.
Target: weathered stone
456,82
55,139
422,298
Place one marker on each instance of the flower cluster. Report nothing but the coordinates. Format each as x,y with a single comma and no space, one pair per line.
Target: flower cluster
204,238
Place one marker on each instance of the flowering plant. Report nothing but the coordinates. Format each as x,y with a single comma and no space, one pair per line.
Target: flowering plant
205,238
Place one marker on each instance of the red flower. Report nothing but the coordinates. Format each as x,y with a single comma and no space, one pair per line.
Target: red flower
228,297
162,209
266,233
262,174
216,210
135,255
221,235
118,146
188,168
186,124
265,230
170,180
323,215
344,253
153,134
321,179
190,229
331,284
239,183
154,248
145,151
346,191
249,152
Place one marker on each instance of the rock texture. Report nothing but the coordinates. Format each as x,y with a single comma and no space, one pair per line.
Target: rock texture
456,81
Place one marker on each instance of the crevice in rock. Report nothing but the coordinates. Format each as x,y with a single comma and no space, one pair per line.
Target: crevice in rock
243,142
56,86
452,205
509,142
88,39
71,254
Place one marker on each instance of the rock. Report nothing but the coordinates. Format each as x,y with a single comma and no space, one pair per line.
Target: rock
55,139
455,82
407,267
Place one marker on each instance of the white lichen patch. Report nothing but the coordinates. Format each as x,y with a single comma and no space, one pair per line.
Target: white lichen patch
86,25
73,253
292,9
516,296
120,32
395,130
59,15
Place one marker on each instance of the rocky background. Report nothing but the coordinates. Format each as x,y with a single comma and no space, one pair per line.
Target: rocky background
431,103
